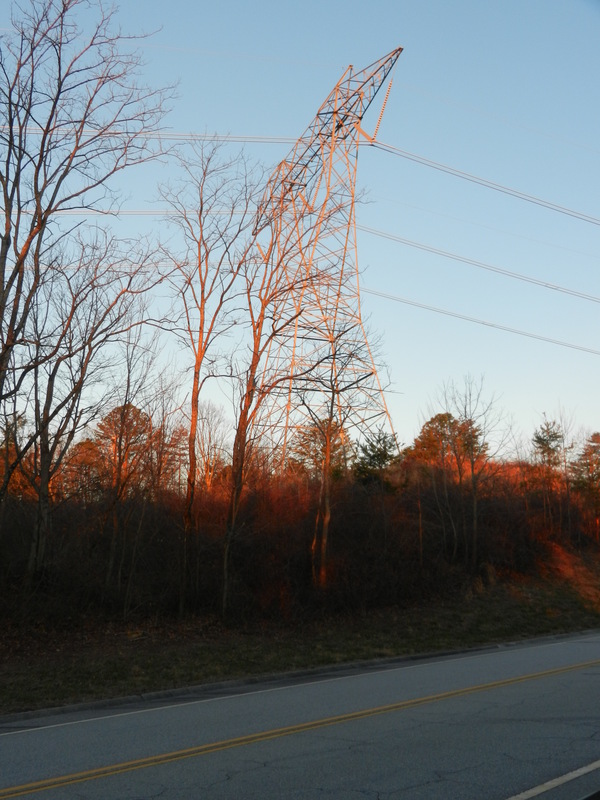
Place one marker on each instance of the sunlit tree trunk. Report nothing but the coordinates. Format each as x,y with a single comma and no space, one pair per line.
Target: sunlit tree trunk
249,405
212,199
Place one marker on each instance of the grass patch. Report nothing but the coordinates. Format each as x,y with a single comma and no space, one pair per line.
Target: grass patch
43,668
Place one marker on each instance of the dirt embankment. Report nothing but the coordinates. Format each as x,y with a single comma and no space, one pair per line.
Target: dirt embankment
580,571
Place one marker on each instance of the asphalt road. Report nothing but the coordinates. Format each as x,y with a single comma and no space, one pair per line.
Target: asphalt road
511,722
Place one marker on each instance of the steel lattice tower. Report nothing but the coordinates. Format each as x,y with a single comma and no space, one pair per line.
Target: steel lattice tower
308,208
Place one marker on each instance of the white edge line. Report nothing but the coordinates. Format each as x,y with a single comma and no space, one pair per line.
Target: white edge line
546,787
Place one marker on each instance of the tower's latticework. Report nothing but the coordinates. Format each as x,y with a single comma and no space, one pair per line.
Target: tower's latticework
308,208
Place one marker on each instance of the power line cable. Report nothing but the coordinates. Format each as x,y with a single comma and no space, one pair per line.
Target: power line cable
484,322
461,219
221,137
388,148
481,264
178,136
375,232
242,139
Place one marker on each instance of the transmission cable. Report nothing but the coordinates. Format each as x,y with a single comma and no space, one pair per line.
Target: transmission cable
373,231
388,148
484,322
481,264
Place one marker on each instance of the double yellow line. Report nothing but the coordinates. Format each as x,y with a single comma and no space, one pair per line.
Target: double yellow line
264,736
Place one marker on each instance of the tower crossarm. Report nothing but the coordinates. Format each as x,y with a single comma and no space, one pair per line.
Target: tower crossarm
335,124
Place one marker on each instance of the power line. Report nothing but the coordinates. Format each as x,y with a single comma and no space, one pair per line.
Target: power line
481,264
388,148
495,228
484,322
178,136
375,232
220,137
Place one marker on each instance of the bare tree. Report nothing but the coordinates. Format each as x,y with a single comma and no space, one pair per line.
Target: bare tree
234,291
261,372
337,395
211,442
124,433
213,207
482,434
552,452
74,115
435,454
84,307
213,214
167,445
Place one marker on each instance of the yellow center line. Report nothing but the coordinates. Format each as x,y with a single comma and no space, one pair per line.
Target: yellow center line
204,749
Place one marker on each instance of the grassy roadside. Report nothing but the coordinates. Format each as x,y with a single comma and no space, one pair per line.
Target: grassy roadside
42,668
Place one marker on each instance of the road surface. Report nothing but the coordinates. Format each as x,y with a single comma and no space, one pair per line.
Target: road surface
512,722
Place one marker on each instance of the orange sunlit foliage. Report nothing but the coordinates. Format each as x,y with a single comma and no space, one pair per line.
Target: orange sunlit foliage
444,511
83,474
19,486
586,483
448,444
122,438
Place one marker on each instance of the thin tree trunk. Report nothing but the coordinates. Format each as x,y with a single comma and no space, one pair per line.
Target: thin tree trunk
41,530
238,465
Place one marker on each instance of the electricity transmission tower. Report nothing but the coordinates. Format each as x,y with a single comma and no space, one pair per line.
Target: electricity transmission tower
308,207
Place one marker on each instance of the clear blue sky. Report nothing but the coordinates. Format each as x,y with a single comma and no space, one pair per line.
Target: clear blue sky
508,91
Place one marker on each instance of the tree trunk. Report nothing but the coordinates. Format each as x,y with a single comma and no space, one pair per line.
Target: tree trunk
321,535
37,550
188,511
238,464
